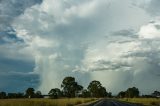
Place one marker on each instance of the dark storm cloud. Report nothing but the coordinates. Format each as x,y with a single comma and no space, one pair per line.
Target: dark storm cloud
16,82
72,36
73,25
11,65
10,68
17,75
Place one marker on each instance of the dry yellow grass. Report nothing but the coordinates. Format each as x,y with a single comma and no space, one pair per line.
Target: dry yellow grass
144,101
44,102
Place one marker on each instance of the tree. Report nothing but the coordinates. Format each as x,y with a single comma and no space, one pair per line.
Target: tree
20,95
70,87
96,89
85,93
15,95
2,95
30,92
109,94
78,89
55,93
156,94
121,94
132,92
38,94
103,92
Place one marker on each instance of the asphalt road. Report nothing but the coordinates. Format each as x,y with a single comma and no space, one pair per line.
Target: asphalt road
108,102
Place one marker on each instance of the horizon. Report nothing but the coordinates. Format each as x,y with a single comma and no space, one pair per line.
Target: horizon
84,88
114,42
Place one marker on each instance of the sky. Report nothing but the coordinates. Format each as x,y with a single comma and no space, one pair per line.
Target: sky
114,42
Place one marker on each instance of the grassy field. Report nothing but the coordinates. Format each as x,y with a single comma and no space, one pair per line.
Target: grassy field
144,101
44,102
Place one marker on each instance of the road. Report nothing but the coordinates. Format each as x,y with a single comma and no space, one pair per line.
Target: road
108,102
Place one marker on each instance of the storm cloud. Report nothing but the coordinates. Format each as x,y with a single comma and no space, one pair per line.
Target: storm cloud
110,41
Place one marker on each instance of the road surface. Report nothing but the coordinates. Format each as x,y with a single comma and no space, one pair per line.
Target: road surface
108,102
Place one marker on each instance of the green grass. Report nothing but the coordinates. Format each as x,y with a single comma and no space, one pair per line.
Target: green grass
144,101
44,102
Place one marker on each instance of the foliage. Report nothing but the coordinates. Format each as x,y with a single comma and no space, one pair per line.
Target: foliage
132,92
2,95
15,95
85,93
70,87
96,89
55,93
109,94
121,94
38,94
129,93
30,92
156,94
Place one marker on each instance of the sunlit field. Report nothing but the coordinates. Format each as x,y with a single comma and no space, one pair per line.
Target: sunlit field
144,101
44,102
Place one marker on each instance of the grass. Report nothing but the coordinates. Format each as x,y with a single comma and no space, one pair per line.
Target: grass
44,102
144,101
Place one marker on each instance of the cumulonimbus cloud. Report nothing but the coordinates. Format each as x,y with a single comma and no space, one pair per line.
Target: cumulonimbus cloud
89,39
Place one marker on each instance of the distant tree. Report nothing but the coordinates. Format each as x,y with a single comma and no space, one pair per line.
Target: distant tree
38,94
109,94
30,92
55,93
156,94
121,94
70,87
3,95
132,92
15,95
85,93
96,89
147,96
20,95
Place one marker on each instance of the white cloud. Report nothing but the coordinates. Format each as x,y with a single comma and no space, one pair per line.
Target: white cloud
9,9
150,31
67,36
110,55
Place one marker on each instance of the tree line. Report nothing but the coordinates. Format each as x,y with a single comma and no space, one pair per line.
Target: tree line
70,89
29,93
129,93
